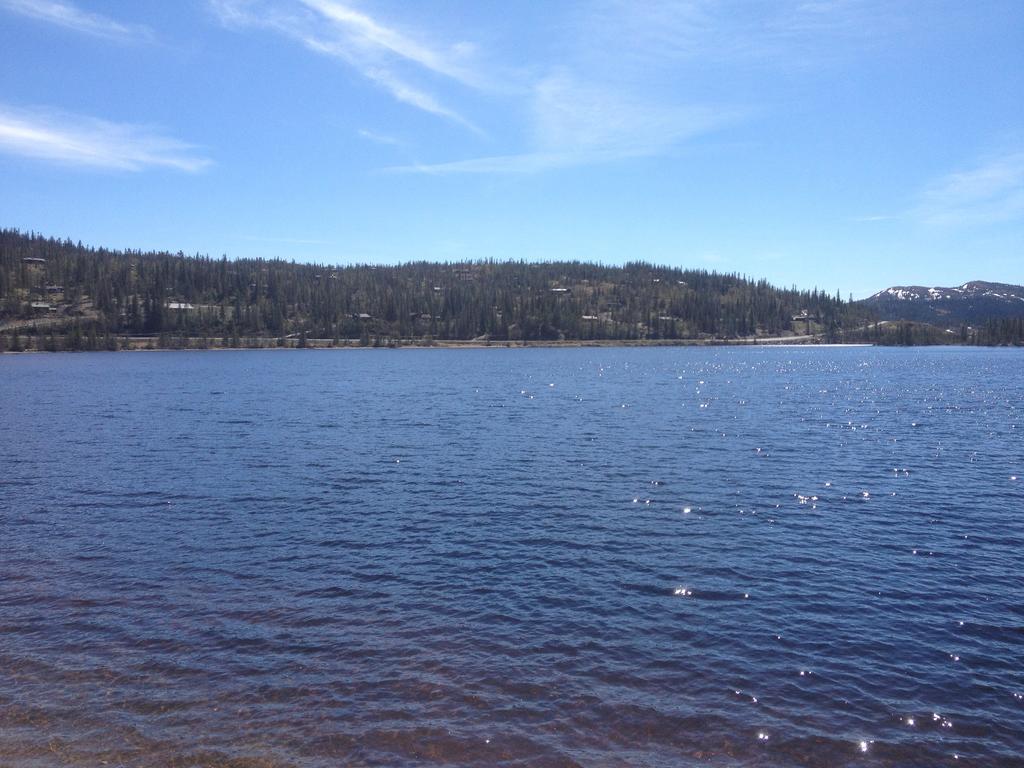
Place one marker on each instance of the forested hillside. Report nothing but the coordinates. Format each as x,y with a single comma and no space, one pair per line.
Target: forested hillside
51,287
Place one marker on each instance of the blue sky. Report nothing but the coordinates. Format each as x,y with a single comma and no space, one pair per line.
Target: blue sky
843,144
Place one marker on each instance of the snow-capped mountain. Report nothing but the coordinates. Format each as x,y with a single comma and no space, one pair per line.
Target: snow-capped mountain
972,302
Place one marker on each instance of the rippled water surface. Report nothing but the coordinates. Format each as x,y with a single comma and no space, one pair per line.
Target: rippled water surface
540,557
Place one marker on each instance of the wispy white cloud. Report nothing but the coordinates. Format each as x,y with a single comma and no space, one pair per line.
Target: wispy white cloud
87,141
527,162
364,32
415,97
379,138
65,14
577,124
591,117
375,50
782,33
990,192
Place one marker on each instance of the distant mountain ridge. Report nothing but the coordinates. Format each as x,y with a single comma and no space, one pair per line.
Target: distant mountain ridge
972,302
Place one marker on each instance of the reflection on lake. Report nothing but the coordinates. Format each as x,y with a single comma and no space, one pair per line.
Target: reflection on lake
540,557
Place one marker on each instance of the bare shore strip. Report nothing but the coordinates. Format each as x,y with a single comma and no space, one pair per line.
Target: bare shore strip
198,344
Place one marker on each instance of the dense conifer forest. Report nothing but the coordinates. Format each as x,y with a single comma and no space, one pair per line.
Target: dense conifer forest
57,294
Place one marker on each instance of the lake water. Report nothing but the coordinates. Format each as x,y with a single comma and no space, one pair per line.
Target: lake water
534,557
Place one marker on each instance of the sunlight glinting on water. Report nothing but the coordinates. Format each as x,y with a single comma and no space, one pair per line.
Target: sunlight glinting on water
770,557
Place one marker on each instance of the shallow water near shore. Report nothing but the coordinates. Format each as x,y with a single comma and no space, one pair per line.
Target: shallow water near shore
529,557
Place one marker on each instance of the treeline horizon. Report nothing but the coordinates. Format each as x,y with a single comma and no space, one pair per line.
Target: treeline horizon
52,288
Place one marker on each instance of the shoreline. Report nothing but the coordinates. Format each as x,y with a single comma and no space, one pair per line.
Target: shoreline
145,345
137,344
